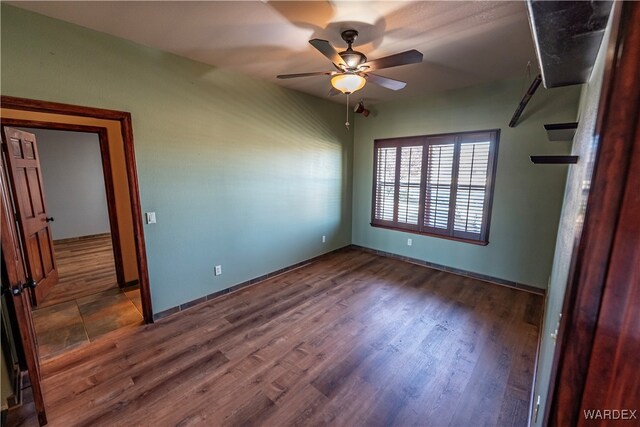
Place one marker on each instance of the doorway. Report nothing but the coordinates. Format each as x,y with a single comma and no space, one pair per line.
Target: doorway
89,299
114,133
21,275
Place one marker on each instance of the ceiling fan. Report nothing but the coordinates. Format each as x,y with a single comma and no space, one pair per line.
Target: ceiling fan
353,68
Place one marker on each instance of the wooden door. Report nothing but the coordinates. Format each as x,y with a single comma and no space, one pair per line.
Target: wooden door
15,279
23,167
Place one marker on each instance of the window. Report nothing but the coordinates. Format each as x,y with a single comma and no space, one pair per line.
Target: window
440,185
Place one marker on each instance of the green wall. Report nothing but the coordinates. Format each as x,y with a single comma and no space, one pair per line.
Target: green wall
240,173
573,211
249,175
527,198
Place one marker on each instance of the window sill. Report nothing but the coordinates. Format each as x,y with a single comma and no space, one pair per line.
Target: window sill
440,236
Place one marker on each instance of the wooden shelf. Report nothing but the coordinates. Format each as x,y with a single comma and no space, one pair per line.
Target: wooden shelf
561,131
554,160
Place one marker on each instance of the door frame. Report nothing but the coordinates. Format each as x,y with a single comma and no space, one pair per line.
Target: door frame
126,130
107,173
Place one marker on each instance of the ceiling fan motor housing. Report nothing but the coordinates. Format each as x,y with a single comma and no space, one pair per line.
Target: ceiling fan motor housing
351,57
349,36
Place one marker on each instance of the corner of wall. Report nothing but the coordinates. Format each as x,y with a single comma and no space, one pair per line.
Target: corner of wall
573,208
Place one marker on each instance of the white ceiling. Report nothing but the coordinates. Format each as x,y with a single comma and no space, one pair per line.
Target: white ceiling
464,43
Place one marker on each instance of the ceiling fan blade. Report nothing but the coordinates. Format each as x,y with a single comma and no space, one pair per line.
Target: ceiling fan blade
334,92
402,58
327,50
385,81
319,73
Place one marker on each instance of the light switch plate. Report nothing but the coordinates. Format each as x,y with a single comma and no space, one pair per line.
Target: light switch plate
151,217
409,242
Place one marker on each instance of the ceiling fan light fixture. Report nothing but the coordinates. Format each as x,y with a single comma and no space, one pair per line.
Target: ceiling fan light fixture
348,83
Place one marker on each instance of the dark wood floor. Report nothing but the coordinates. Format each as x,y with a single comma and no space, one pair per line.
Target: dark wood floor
352,339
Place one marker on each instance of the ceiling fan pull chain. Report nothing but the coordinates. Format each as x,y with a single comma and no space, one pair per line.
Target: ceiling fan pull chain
347,122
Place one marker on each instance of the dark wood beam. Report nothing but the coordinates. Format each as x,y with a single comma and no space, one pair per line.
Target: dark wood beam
525,100
554,160
561,131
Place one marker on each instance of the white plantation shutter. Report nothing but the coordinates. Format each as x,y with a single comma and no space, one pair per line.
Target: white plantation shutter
436,185
384,203
409,184
471,191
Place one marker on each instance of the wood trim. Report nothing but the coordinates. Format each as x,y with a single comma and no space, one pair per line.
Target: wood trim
433,135
425,233
111,206
132,175
453,191
458,271
422,199
396,189
136,212
27,104
71,127
597,271
616,343
491,183
374,184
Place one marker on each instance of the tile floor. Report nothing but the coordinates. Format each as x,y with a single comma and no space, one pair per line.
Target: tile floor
69,324
65,326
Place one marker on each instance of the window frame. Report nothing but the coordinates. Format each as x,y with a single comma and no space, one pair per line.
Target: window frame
425,141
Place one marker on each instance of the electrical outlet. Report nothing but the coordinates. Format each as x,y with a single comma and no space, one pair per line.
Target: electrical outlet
218,270
409,242
324,239
151,217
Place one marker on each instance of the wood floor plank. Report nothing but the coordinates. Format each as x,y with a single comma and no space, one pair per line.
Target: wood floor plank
75,280
351,339
254,369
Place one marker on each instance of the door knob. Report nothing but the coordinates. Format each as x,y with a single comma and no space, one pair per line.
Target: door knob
50,219
29,284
